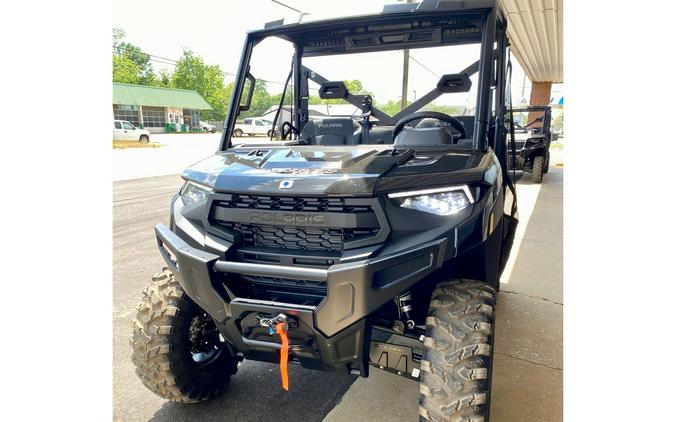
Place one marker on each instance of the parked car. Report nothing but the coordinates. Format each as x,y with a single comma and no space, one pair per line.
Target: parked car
123,130
207,127
253,126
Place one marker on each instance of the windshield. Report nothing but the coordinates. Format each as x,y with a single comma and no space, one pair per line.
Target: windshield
378,74
381,75
367,79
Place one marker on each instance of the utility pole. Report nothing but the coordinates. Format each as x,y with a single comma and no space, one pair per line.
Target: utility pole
404,85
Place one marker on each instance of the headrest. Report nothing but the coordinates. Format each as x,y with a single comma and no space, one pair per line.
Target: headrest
336,125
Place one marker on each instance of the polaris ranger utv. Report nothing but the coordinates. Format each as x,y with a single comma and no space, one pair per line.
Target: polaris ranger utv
532,143
376,241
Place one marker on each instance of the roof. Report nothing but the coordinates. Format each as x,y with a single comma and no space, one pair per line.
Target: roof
417,9
535,29
143,95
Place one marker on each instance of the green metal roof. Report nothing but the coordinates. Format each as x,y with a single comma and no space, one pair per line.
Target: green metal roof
143,95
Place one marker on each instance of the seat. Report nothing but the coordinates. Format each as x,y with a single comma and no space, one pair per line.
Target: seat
330,131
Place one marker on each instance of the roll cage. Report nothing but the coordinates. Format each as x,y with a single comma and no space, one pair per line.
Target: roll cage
399,26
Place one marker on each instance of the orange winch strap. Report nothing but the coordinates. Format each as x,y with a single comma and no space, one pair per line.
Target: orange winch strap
283,364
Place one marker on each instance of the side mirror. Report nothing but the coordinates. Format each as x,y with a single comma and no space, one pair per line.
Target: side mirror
333,90
454,82
249,94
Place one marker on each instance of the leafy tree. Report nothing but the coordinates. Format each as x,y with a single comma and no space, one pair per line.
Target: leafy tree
145,74
125,70
163,79
261,101
192,73
391,107
118,36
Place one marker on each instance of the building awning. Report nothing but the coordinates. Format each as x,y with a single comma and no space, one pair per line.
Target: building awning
142,95
535,29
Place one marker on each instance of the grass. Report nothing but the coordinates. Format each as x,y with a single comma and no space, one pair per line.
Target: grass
117,144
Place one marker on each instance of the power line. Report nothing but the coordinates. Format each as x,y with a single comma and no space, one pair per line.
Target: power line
426,68
286,6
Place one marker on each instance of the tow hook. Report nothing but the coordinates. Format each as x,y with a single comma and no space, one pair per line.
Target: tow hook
279,325
271,323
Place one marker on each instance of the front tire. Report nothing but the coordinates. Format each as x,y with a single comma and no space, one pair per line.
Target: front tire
457,364
176,346
144,139
238,133
538,169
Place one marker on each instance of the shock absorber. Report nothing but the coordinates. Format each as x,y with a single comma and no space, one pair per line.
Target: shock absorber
405,307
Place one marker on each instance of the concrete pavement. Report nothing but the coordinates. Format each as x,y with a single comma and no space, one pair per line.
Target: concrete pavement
527,384
178,151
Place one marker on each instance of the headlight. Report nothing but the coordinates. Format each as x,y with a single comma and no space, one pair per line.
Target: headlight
441,201
193,193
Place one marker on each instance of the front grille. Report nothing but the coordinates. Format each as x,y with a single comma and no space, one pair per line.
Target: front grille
295,203
322,225
297,238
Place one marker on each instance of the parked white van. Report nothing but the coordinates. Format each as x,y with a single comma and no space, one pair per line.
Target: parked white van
123,130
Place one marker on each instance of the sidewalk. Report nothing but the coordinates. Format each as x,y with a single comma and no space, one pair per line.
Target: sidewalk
528,376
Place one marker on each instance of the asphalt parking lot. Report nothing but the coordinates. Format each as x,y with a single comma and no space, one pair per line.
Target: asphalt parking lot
528,369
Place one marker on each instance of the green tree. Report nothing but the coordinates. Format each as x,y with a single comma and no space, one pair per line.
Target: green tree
391,107
261,101
125,70
208,80
163,79
122,49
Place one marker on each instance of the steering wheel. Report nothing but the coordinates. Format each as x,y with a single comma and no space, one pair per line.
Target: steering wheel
456,124
291,128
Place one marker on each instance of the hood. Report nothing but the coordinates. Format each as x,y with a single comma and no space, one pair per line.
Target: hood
301,170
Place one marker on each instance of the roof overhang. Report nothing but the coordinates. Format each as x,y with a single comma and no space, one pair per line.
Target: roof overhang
535,28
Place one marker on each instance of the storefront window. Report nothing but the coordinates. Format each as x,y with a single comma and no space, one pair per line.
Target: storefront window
153,116
126,112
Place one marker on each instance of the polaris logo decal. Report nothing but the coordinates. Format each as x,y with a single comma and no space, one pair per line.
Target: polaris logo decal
329,125
285,184
304,172
287,218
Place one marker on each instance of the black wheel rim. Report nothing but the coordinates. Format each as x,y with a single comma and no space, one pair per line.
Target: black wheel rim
205,346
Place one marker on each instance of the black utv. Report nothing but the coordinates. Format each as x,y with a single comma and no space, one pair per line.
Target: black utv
355,242
532,142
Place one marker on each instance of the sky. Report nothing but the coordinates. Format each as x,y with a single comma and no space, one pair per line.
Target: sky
215,31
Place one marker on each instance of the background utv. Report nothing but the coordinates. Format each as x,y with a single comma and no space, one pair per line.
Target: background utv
356,243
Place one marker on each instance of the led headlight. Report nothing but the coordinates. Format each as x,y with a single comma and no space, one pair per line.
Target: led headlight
193,193
441,201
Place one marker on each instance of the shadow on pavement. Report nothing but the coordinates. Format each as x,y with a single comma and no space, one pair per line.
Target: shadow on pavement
255,394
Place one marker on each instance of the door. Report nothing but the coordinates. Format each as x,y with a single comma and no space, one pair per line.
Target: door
118,133
129,131
259,127
247,127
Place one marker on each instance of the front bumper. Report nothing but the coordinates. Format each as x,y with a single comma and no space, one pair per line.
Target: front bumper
332,335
